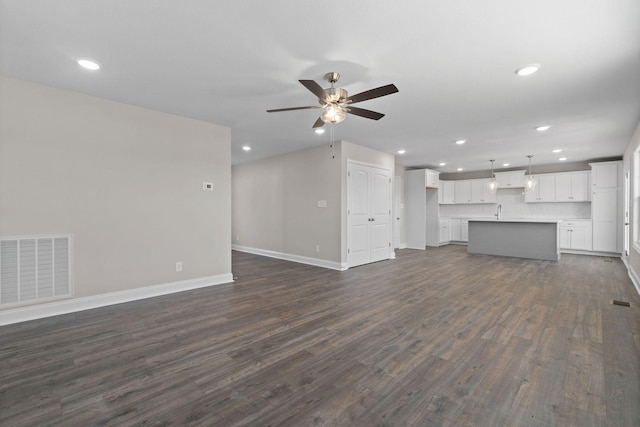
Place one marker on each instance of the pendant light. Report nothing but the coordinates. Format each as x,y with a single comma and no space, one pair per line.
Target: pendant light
493,184
530,182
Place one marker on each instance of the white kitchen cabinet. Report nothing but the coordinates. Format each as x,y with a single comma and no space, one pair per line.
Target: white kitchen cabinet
455,229
513,179
459,230
462,193
604,214
447,192
431,178
572,187
445,231
464,230
545,190
465,192
606,206
576,235
605,174
480,192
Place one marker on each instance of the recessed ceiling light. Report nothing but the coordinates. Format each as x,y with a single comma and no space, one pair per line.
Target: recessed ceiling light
461,141
89,64
460,169
402,151
543,128
442,164
562,159
506,164
319,131
246,148
557,150
527,70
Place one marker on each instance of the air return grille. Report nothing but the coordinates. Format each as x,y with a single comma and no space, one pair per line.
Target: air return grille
34,269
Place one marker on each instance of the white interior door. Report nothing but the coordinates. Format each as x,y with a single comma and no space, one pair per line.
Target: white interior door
358,235
368,214
380,197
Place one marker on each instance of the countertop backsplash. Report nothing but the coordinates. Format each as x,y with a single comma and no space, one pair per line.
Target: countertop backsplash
513,206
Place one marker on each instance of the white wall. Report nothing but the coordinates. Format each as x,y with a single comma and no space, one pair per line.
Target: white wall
275,204
126,182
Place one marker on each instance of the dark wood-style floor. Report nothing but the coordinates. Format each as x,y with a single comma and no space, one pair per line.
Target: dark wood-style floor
435,337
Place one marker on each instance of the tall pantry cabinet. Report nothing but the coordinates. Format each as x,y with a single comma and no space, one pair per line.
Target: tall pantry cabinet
606,206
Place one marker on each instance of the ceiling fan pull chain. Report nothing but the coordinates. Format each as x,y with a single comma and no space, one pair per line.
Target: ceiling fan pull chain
333,148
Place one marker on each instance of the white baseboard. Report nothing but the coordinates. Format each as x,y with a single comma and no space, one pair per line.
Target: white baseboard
291,257
403,246
38,311
634,278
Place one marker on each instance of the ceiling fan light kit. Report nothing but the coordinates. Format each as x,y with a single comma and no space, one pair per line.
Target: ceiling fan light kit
333,114
336,102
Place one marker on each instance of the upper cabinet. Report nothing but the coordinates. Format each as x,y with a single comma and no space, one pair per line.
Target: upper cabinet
572,187
431,178
560,187
605,175
480,192
446,192
462,193
545,190
466,191
513,179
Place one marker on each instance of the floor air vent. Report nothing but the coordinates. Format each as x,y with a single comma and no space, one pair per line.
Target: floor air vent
622,303
34,269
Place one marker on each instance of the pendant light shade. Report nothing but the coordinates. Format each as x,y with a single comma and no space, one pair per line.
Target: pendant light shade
530,182
493,184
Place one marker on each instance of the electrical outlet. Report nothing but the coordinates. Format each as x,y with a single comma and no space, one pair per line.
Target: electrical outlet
207,186
318,248
179,266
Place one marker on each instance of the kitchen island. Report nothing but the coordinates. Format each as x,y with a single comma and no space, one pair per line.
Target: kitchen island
520,238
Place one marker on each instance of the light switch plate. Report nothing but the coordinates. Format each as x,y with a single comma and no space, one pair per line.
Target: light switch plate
322,203
207,186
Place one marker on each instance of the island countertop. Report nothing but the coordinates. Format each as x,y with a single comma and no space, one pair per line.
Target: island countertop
533,220
521,238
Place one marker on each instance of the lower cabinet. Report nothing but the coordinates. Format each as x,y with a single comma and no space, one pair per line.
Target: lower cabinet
459,230
455,229
464,230
445,230
576,235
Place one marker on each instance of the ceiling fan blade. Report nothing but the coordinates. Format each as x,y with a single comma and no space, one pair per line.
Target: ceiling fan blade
291,109
373,93
315,88
318,124
374,115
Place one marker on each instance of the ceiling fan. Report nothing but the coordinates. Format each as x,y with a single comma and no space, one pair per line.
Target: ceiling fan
336,102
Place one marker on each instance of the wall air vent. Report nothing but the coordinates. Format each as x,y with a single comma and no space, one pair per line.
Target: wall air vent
34,269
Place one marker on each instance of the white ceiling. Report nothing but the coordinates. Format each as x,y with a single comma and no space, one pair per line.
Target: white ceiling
453,61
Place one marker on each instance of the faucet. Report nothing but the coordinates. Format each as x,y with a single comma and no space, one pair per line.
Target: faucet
498,212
